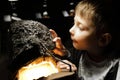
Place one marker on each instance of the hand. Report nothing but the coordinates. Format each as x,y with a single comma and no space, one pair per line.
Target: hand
63,65
60,49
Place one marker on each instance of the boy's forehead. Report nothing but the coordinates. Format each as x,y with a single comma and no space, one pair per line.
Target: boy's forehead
83,20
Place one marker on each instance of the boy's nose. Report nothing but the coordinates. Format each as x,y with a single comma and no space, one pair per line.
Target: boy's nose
71,30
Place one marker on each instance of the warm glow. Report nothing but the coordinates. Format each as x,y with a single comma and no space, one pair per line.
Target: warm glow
41,67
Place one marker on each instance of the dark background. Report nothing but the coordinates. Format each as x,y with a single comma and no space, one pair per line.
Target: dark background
26,9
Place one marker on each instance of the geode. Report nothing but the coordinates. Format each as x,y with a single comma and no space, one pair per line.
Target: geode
28,40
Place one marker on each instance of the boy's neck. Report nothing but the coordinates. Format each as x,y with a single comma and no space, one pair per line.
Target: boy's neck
96,58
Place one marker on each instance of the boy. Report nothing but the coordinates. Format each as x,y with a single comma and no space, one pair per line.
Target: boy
94,35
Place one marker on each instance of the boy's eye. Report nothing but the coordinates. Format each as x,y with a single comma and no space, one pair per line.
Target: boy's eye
81,28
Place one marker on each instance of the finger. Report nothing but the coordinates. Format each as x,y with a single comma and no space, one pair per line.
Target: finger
66,66
58,43
61,65
58,52
74,68
53,33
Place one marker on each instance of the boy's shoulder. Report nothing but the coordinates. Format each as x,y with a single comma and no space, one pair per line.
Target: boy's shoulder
118,70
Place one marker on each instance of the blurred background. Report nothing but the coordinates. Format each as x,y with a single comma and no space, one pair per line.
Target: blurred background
56,14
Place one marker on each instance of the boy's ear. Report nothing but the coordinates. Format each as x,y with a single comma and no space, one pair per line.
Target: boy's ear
105,39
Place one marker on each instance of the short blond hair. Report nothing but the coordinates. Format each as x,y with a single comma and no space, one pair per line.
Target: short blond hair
96,11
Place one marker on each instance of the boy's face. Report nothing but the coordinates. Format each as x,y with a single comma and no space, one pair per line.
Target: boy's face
83,34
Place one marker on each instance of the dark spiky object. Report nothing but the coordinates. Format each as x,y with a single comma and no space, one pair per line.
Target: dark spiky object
27,40
27,33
